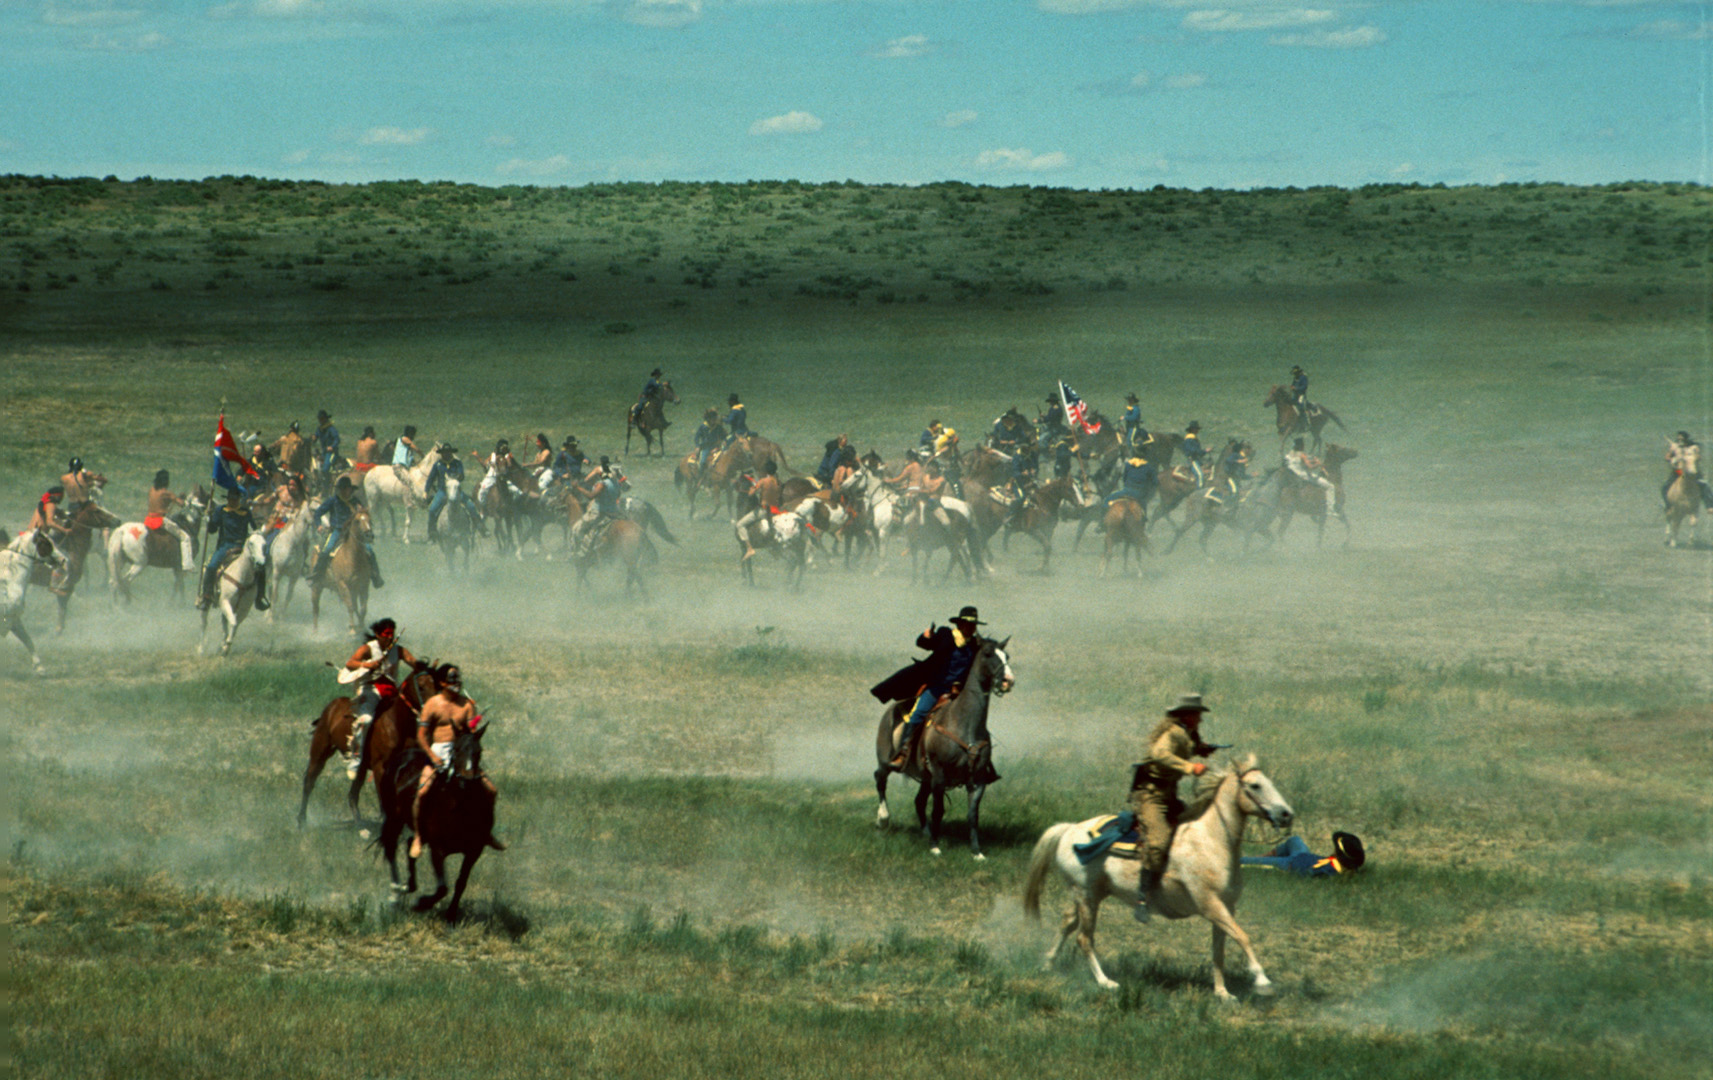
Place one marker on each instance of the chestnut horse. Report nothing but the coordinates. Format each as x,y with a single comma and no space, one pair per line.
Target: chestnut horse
650,420
1291,422
349,570
1310,500
1683,498
1126,528
393,727
623,540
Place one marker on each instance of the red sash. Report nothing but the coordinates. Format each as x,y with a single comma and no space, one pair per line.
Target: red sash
363,466
386,688
154,521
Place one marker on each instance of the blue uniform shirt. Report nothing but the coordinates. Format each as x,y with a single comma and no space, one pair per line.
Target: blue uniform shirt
1300,386
1192,447
327,438
1133,416
709,435
337,512
231,527
737,422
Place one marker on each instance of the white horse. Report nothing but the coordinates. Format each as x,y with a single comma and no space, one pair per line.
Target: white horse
385,485
133,547
235,593
287,557
17,561
1203,873
881,514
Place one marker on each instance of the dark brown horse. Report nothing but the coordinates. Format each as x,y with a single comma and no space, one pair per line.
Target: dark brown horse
650,420
954,749
393,727
74,544
1126,528
1040,516
1292,422
457,816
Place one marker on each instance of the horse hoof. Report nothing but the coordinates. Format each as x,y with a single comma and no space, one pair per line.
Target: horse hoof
365,834
936,852
979,857
1108,984
1265,989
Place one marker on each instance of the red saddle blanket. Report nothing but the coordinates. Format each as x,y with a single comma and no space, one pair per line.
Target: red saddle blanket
154,522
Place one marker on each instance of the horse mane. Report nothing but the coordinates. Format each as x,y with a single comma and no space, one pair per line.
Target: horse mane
1207,786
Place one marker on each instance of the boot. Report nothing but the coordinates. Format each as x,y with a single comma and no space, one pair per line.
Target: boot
1149,885
262,603
375,576
358,748
205,595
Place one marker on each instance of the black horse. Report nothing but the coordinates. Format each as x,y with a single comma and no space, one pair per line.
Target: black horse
954,750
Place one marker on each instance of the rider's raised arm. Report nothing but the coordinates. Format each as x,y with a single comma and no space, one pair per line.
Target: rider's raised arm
360,660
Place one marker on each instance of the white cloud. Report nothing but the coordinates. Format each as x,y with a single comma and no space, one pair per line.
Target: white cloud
1403,170
1226,19
1357,37
1021,161
551,166
499,140
269,9
904,47
110,43
660,14
960,118
1673,30
393,136
297,158
54,15
792,123
1086,7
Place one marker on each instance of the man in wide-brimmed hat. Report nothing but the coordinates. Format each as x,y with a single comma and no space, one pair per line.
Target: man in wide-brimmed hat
1154,788
952,650
326,443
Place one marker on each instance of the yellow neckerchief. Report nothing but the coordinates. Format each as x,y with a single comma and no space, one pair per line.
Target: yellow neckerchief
958,638
1331,860
1137,461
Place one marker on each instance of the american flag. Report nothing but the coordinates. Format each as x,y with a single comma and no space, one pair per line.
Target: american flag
1076,410
227,455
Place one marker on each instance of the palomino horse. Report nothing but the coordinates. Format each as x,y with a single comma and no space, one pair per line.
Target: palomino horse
1203,876
623,540
457,817
134,547
387,485
80,526
394,726
349,570
954,749
18,561
1310,499
1291,422
1127,529
1683,497
650,420
234,594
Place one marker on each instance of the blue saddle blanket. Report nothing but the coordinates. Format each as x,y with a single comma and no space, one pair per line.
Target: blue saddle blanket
1116,836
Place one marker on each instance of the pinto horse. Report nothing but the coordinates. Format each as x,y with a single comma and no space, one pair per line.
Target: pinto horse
18,560
457,816
650,420
1203,876
394,726
1292,422
954,749
134,547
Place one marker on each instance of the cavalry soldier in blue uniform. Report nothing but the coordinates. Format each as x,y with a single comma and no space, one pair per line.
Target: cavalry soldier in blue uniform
834,450
339,508
1053,420
930,435
1008,432
1194,452
231,525
1300,392
952,651
650,391
710,436
326,443
737,419
450,466
1132,419
1141,479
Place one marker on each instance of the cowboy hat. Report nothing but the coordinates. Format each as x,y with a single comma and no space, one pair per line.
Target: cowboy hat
1187,703
968,614
1348,848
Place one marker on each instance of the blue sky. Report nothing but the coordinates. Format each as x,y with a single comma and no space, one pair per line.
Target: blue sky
1077,93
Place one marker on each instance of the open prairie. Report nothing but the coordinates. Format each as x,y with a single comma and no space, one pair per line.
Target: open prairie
1501,682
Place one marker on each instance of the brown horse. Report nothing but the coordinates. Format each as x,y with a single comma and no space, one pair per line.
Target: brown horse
622,540
1310,500
1040,516
650,420
393,727
1683,498
724,466
1220,503
987,467
74,544
1126,528
1291,422
349,570
457,816
954,749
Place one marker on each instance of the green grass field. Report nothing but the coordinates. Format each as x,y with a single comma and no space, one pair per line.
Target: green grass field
1502,684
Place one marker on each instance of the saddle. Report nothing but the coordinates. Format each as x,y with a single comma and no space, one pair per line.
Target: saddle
901,716
1108,837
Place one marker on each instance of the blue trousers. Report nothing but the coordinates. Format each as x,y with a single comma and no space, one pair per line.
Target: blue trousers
438,503
1292,855
924,706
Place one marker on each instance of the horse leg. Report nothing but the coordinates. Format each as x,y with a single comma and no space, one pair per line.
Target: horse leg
438,859
467,862
1067,926
922,808
1215,912
935,821
882,816
18,631
975,793
320,749
1088,910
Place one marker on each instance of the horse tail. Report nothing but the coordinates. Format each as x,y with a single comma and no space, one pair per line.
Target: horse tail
1040,861
658,523
1330,415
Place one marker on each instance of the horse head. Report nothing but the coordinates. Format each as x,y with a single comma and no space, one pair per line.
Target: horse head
91,515
362,528
1277,397
467,751
40,547
667,393
993,666
1257,796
